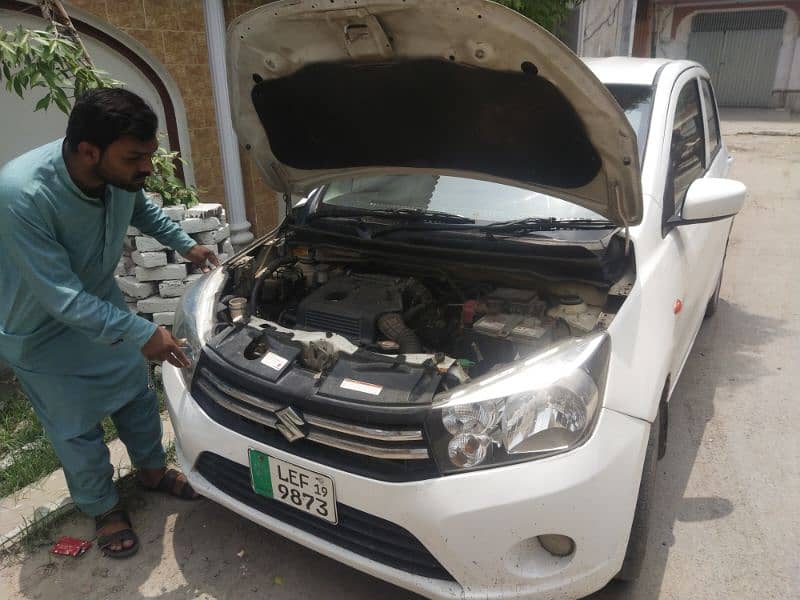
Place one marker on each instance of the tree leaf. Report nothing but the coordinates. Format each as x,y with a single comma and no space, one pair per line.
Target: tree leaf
43,103
61,100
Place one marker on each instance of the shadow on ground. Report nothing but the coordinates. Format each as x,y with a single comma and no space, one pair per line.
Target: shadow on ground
723,356
202,550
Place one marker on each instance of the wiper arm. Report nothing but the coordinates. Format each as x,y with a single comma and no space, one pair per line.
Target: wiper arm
410,214
430,216
545,224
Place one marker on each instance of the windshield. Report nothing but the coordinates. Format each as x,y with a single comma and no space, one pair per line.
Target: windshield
485,202
637,102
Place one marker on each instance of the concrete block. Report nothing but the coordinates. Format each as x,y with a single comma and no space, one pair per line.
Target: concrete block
172,288
227,248
175,258
204,210
157,304
132,231
196,225
190,279
149,259
148,244
132,288
164,318
128,264
161,273
155,198
176,213
132,306
214,237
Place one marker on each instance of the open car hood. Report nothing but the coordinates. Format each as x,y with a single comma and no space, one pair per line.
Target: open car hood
324,89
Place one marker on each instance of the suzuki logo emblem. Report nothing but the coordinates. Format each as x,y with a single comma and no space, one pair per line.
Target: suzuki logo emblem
289,423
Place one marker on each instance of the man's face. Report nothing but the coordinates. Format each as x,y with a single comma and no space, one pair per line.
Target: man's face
126,163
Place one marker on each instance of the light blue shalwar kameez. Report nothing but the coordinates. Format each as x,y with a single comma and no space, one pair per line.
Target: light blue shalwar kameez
64,326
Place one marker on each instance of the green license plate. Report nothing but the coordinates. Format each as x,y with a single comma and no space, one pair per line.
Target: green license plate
300,488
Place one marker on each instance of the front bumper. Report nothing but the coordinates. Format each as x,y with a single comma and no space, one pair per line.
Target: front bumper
481,526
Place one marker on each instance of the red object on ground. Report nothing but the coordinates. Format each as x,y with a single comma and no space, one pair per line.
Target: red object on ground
70,546
678,306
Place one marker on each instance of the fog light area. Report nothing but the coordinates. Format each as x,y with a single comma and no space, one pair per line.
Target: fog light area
557,545
530,559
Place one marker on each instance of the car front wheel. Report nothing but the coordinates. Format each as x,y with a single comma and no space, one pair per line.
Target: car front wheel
713,303
637,542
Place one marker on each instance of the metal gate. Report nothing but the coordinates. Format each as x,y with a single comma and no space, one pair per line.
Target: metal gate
740,51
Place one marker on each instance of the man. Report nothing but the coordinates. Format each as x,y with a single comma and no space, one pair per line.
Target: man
65,329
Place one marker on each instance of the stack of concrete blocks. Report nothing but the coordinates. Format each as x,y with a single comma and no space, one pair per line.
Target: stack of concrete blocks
153,277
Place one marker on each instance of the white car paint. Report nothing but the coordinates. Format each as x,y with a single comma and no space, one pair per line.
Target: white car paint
712,196
278,40
482,525
684,264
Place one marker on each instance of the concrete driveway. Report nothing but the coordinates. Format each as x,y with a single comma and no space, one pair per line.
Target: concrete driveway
727,519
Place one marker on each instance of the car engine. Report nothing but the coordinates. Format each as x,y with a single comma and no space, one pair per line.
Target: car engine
379,332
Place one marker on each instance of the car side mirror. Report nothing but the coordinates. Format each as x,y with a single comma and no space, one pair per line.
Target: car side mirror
711,199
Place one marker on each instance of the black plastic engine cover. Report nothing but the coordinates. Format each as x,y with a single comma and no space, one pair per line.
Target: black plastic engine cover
359,379
350,306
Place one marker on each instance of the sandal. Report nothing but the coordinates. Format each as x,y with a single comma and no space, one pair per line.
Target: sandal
116,515
166,485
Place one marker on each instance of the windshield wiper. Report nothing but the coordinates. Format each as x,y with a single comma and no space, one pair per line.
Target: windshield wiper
545,224
409,214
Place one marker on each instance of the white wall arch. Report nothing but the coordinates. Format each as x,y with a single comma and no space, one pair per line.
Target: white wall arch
113,51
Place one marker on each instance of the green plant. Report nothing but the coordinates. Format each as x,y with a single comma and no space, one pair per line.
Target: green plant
547,13
31,59
163,181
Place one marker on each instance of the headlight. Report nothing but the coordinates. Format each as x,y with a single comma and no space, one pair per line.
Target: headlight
542,406
195,318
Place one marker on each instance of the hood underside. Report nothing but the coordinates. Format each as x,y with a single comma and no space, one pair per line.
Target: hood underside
322,91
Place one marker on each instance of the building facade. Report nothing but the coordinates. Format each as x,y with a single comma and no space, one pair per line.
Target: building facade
159,48
750,48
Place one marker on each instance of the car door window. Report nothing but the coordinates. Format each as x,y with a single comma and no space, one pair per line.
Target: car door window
687,157
712,119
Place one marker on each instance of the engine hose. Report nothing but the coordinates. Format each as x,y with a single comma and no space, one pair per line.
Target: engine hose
392,326
262,276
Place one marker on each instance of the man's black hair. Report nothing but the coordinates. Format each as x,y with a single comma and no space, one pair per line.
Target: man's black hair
104,115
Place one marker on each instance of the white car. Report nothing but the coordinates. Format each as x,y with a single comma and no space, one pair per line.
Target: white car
450,366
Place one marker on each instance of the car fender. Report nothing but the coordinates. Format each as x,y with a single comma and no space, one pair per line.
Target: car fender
643,331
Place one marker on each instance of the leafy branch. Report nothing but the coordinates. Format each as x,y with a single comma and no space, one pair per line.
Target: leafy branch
547,13
47,59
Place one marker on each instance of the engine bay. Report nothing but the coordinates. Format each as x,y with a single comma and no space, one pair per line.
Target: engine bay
390,333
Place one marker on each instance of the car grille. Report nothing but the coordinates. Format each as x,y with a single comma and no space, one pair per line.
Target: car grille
390,453
357,531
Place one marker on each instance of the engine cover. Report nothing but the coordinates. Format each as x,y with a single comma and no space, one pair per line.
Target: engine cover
350,306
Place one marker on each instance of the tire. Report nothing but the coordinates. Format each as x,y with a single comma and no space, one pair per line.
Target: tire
637,542
713,303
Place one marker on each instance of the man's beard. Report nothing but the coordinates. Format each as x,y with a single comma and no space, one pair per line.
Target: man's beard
126,184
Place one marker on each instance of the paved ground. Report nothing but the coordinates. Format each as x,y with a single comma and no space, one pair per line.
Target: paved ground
727,518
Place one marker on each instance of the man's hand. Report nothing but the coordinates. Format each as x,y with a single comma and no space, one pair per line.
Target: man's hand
199,255
162,346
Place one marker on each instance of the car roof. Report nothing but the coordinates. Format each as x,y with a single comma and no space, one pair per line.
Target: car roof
632,71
